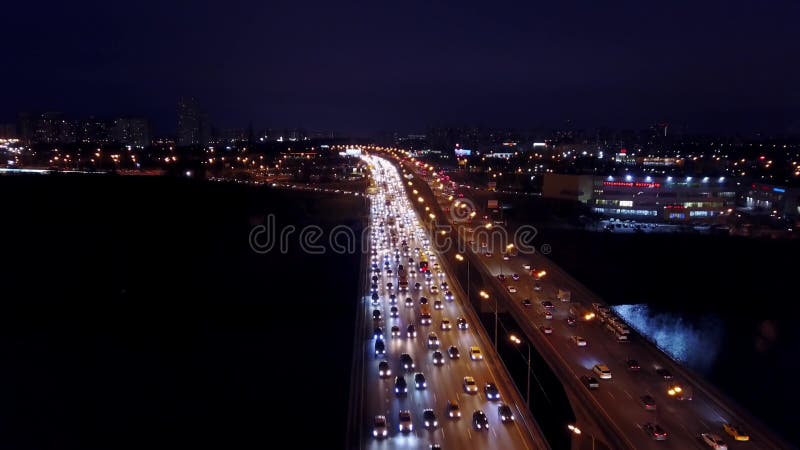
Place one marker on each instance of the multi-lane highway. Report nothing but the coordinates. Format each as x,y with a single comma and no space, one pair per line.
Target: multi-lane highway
618,409
393,222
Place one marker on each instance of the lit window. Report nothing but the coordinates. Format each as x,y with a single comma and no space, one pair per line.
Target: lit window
626,203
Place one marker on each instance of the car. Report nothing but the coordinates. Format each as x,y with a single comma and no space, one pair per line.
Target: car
590,382
448,296
409,302
383,369
377,315
429,418
505,414
470,386
664,373
714,441
417,286
491,391
395,331
453,411
433,341
379,427
602,371
537,287
462,323
488,254
505,257
453,353
512,289
548,315
648,402
527,303
444,286
389,287
501,277
571,321
394,312
475,353
392,299
676,391
434,290
376,299
546,329
437,304
548,304
479,420
437,358
655,431
419,380
406,361
374,289
400,386
405,421
632,365
423,300
446,325
515,277
526,266
380,347
579,341
736,432
411,331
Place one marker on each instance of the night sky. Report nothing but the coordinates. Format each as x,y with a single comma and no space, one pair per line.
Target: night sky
730,66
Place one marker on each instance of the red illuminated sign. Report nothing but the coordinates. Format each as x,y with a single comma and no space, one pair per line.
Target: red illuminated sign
637,184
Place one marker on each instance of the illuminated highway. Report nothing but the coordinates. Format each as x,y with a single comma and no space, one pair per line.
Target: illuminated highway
446,381
614,412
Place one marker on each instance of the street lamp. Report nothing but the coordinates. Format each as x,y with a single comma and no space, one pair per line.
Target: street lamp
485,296
518,341
461,258
577,431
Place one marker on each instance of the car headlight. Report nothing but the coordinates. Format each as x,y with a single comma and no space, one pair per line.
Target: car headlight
374,432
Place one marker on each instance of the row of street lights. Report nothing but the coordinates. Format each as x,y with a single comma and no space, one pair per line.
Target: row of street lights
516,340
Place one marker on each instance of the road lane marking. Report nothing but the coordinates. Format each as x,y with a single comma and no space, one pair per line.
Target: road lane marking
610,395
628,394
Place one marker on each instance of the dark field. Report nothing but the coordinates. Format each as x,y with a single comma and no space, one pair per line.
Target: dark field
135,315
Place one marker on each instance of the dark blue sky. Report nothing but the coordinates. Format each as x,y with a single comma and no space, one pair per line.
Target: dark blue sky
366,66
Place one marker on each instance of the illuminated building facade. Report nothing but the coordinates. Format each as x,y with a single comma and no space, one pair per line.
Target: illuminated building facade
653,199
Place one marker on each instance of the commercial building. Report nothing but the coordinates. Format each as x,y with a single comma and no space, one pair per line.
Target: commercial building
654,199
781,201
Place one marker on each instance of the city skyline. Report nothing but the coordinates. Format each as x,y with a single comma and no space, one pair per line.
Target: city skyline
362,69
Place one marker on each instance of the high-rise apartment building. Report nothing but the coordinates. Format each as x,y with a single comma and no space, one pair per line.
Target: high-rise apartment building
189,122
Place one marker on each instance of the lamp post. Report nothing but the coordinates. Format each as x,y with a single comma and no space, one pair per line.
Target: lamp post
485,296
518,341
460,258
577,431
